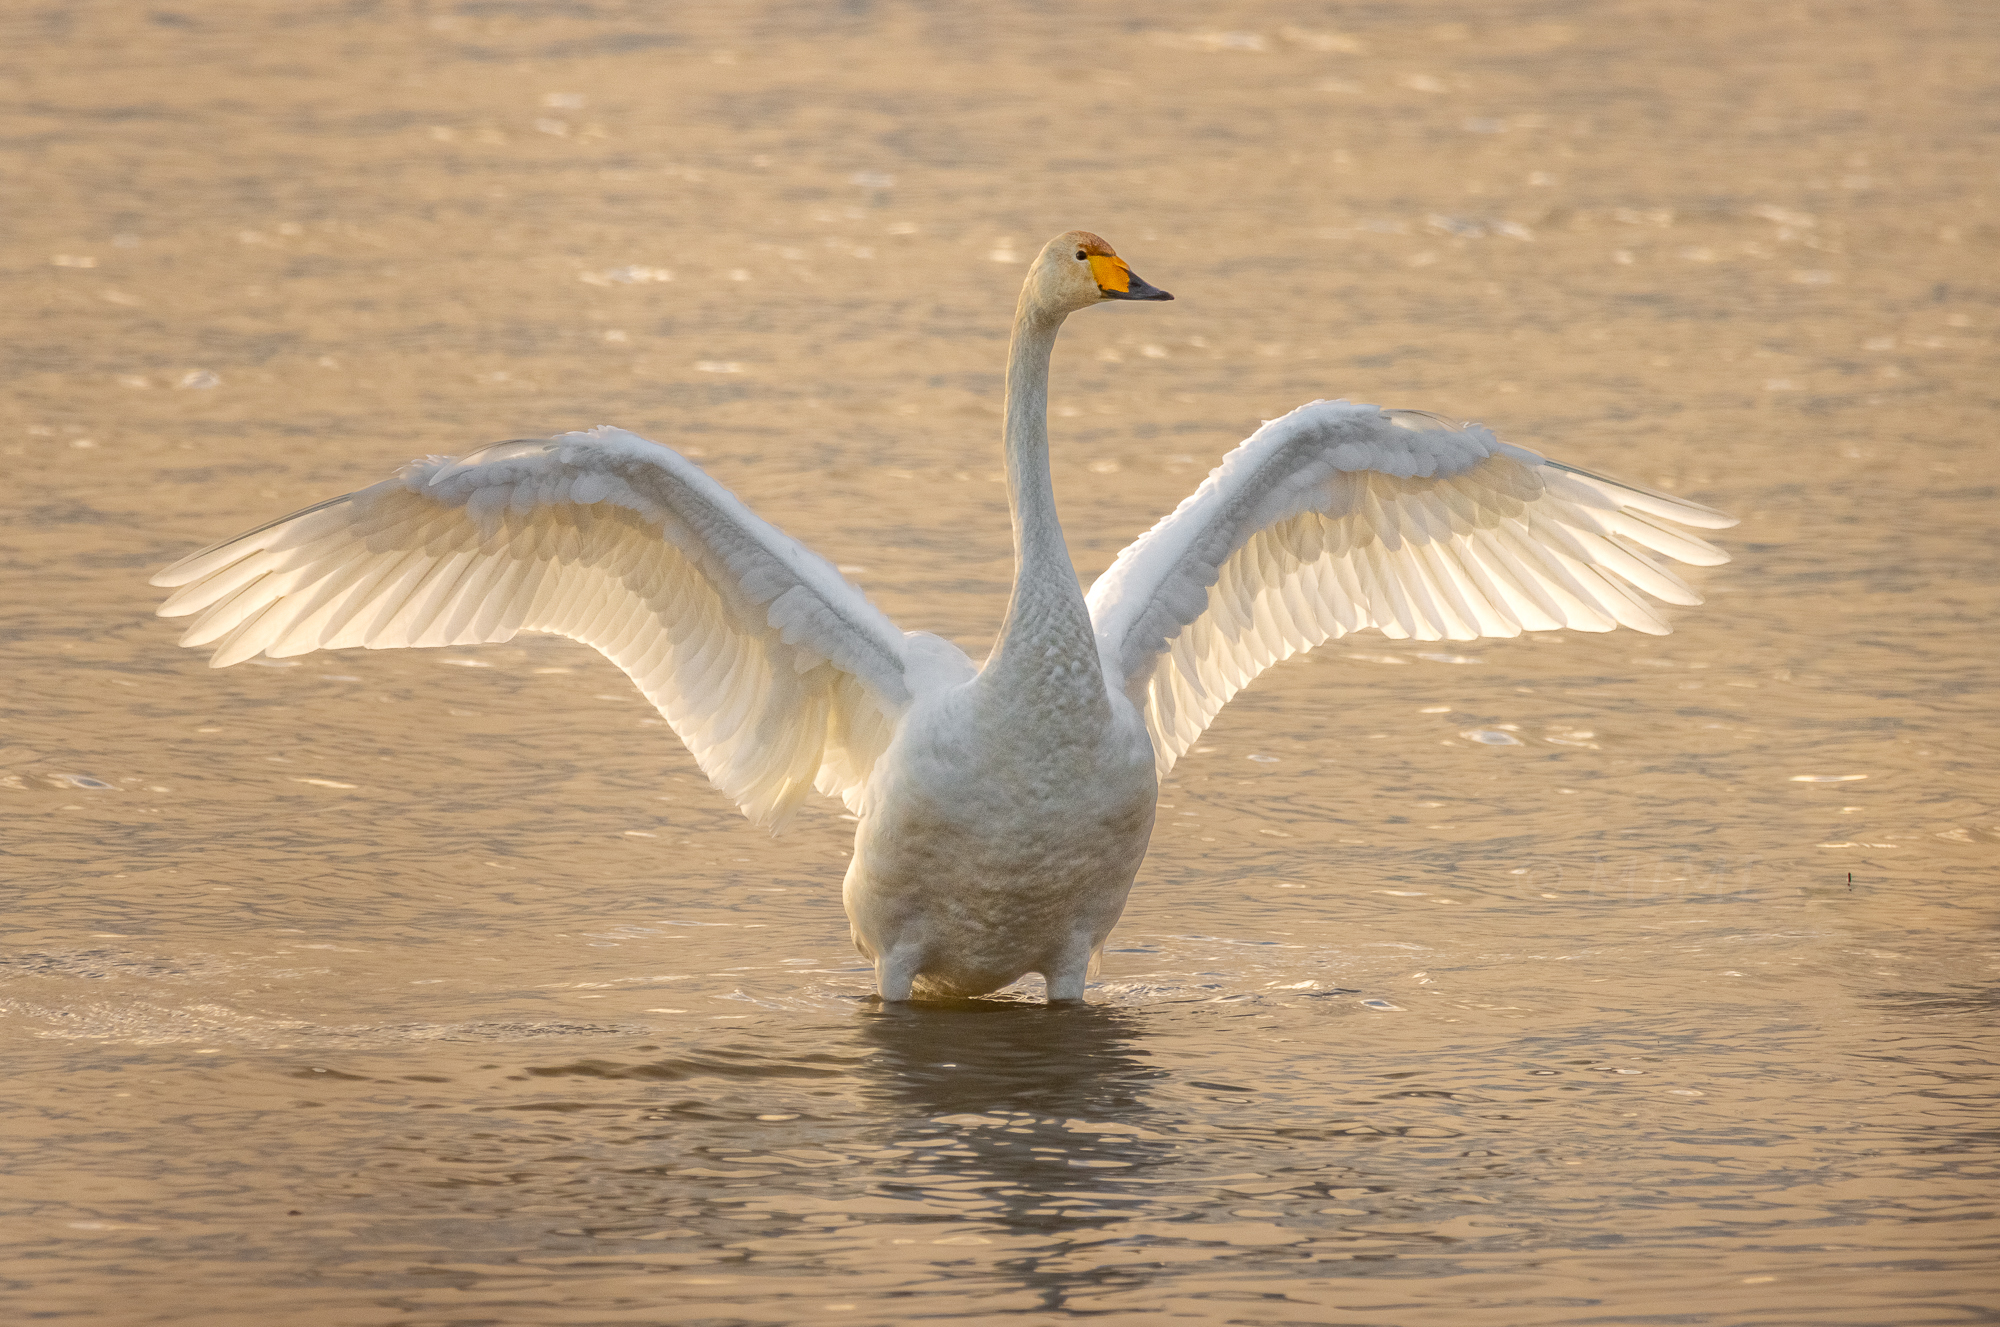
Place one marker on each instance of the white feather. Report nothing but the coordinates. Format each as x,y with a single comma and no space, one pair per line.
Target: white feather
1002,813
727,628
1342,516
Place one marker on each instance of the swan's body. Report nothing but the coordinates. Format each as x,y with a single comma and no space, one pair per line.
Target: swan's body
1003,810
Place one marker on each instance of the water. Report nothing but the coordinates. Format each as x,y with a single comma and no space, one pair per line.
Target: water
1573,979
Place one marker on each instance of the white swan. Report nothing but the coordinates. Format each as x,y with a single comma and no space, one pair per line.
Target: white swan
1003,809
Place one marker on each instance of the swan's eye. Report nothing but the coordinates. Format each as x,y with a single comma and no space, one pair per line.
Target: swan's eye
1081,255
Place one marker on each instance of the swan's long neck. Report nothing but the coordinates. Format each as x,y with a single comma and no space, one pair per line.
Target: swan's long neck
1046,645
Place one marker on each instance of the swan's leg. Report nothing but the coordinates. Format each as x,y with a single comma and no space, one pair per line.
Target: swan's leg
896,972
1067,976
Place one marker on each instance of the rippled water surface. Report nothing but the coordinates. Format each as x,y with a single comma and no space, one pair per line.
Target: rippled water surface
1570,979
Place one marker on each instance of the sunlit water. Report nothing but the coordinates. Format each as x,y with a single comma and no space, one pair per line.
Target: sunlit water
1573,979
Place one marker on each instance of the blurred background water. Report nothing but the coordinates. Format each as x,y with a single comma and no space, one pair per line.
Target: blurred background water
1570,979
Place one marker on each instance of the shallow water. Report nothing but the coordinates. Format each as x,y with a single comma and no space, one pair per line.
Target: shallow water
1572,979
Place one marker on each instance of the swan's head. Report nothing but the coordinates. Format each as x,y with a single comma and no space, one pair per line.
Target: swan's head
1077,269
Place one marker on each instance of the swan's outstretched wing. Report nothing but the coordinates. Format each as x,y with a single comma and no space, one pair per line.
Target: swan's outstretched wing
1342,516
773,669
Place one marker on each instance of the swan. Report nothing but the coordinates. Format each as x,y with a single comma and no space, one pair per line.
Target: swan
1003,810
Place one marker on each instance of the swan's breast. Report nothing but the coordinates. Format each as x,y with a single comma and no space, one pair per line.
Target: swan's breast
977,833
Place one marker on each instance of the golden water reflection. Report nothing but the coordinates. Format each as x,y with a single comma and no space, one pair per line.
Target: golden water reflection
1570,978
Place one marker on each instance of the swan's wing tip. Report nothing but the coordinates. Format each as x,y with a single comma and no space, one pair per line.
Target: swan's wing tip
1653,501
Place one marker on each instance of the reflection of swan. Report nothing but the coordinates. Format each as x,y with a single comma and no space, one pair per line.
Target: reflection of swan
1036,1124
1003,810
1004,1056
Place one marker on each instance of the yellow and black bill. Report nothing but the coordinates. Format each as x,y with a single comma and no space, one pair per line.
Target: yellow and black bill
1117,281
